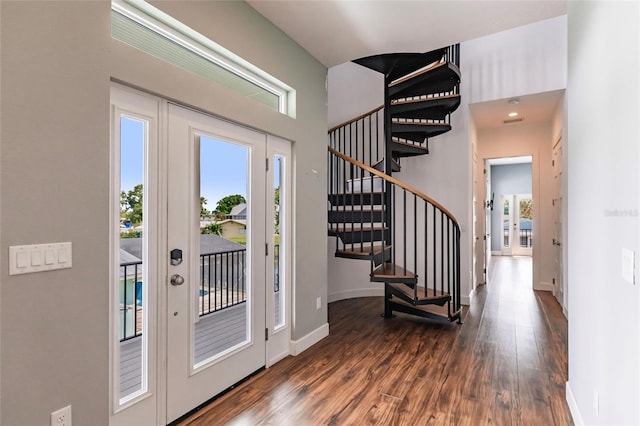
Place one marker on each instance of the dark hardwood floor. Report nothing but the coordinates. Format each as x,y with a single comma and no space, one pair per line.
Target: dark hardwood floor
507,364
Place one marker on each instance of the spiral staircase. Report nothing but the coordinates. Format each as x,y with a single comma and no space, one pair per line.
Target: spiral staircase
411,241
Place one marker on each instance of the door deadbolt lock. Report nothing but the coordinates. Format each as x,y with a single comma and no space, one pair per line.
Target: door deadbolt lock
177,279
176,257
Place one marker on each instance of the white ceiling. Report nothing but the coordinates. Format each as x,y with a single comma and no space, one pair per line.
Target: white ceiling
537,108
335,32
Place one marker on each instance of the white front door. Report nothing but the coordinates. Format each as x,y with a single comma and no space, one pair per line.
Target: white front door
197,288
217,286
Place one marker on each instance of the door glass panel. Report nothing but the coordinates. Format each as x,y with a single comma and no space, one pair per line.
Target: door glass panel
526,223
506,223
278,260
222,293
132,286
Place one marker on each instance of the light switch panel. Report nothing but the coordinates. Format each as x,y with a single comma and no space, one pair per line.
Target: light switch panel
39,257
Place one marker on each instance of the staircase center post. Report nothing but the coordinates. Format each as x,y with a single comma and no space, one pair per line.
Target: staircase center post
388,169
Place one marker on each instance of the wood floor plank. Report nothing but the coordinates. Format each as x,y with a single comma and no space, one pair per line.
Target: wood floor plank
506,365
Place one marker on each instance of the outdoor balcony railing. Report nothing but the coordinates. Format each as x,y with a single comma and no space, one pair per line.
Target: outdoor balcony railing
222,285
526,238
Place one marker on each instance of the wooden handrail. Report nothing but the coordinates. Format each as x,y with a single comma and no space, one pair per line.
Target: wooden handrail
353,120
395,182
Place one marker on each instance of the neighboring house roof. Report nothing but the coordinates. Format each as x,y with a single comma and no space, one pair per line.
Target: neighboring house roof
242,222
131,248
210,243
238,212
126,257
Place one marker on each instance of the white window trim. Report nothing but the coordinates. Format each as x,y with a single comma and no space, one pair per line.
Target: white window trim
158,21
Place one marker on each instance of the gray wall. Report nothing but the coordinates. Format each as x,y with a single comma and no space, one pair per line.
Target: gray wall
603,191
57,61
506,179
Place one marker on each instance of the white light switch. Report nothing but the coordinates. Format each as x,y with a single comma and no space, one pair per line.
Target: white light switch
36,258
628,266
22,259
49,257
63,256
39,257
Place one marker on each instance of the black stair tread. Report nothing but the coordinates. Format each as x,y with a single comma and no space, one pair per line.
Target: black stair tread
435,108
441,311
394,65
356,198
432,297
379,165
418,131
356,227
362,252
404,149
437,79
390,272
356,216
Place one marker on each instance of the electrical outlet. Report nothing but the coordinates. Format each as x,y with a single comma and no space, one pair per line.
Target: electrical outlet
318,303
61,417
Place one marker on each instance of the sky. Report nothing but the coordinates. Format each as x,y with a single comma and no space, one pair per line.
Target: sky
223,165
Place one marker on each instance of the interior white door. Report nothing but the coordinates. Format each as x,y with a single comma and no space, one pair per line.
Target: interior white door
215,286
556,164
478,222
487,220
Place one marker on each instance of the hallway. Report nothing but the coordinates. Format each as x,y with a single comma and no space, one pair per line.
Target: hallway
507,364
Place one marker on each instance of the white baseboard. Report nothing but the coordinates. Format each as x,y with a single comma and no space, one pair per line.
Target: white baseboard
277,357
298,346
353,294
573,406
542,286
496,253
466,300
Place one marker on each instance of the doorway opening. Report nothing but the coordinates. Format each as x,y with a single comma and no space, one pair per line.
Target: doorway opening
510,210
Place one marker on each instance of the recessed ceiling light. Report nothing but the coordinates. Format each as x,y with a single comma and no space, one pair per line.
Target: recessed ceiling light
513,114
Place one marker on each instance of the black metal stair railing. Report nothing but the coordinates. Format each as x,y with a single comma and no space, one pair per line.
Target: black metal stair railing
361,138
424,238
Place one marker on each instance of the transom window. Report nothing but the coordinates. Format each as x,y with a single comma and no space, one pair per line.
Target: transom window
140,25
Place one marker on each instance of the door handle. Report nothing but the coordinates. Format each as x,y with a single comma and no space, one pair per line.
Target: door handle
177,279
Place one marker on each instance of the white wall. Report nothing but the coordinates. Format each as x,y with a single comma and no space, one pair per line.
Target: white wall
57,61
524,60
353,90
604,186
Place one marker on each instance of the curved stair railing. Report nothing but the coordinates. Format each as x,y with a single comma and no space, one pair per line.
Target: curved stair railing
422,242
411,241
